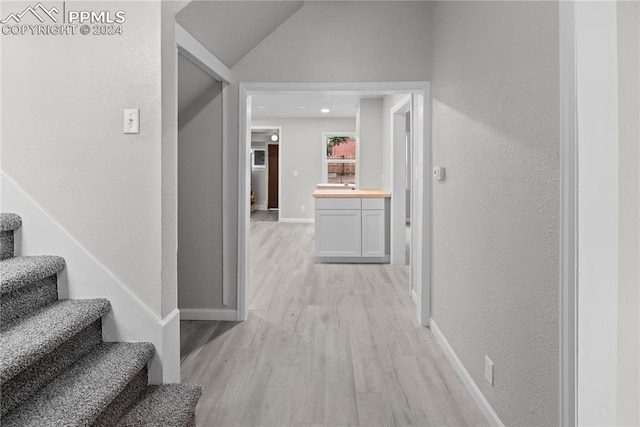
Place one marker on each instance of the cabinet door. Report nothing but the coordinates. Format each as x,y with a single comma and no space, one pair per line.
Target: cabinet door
338,233
373,242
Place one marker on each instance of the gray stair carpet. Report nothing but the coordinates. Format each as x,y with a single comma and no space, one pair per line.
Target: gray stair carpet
165,405
8,223
54,368
20,271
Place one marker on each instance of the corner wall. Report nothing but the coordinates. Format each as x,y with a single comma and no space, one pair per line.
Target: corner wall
495,94
200,202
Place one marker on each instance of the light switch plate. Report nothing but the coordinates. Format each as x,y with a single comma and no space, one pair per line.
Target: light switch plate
438,173
132,120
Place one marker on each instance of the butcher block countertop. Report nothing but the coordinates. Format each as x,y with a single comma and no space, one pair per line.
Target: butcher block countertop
354,194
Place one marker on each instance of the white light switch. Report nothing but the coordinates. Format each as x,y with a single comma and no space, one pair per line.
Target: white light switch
438,173
295,172
132,120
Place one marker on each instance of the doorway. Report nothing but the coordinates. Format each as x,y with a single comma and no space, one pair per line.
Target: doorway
273,177
421,188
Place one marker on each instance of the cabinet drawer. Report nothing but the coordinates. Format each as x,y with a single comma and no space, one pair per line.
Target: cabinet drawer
372,203
337,203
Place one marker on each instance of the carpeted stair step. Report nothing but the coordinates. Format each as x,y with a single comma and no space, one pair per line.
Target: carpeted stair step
20,271
27,284
78,396
169,405
25,342
9,222
22,386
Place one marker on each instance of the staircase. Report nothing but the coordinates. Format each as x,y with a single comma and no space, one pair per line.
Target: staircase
54,368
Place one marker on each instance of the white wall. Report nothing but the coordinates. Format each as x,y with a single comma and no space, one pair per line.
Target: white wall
628,410
63,142
369,128
301,151
200,202
495,90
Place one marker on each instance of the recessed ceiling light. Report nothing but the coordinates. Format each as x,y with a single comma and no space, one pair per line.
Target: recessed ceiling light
325,110
261,107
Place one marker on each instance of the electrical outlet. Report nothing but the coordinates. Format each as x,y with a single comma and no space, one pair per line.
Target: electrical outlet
488,370
303,208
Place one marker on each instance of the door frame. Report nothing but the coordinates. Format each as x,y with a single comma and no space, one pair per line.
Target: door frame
421,90
279,128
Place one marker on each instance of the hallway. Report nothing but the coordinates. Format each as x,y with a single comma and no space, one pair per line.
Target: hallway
322,345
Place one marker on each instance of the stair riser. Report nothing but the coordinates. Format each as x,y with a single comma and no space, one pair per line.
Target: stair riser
125,399
19,388
24,301
6,244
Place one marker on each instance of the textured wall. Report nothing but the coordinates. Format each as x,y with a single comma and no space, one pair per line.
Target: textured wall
629,211
300,150
495,90
63,142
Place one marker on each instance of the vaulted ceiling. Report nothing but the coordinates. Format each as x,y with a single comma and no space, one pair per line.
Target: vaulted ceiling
231,29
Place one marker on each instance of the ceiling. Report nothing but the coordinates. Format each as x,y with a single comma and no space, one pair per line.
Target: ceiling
304,105
231,29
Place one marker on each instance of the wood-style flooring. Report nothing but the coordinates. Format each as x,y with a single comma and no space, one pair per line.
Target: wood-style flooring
323,345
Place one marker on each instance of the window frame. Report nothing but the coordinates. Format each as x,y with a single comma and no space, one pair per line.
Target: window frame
356,161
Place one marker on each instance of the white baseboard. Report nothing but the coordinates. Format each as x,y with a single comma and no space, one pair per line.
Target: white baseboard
476,394
220,314
85,277
298,220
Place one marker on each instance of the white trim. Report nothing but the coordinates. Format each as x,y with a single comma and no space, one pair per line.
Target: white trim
298,220
195,51
86,277
421,192
244,189
225,196
484,406
220,314
596,60
398,185
166,363
568,215
356,161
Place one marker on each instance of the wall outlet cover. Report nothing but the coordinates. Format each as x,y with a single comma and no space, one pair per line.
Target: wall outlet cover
488,370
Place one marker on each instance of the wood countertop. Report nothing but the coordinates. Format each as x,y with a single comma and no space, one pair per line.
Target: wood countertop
354,194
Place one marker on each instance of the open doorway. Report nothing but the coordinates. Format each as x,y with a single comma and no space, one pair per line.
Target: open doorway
265,173
414,95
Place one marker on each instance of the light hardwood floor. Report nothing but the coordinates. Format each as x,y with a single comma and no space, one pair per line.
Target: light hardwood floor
323,345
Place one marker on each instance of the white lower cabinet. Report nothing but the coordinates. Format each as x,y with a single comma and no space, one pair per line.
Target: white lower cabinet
351,228
373,231
338,233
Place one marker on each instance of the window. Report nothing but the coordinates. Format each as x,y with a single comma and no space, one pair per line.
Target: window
340,158
259,158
